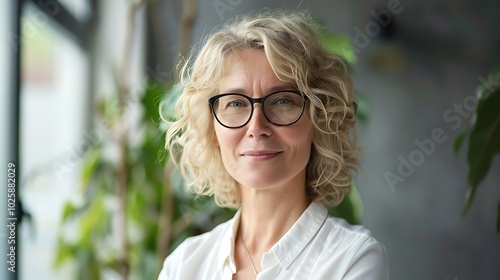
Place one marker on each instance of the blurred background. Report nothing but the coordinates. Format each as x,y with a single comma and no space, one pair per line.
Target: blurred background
81,83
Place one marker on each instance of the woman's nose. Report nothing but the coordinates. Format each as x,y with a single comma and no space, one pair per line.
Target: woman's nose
258,125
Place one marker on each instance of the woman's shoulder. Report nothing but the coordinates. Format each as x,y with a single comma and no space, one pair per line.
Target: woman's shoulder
342,229
346,240
199,251
352,248
203,241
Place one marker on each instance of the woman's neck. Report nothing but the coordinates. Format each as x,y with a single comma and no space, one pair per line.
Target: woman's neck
266,215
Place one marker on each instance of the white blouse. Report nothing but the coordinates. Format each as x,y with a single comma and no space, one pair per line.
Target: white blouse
316,247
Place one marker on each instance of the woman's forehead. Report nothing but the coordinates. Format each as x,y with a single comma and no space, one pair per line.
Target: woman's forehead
248,68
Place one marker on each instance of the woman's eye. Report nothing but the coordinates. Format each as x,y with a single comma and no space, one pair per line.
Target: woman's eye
283,101
235,104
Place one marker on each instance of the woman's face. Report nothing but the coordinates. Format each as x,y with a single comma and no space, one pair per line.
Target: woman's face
261,155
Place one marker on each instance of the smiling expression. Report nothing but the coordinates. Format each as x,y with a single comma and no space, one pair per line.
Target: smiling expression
261,155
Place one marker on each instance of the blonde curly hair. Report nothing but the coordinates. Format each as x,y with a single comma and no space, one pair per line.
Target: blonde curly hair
291,43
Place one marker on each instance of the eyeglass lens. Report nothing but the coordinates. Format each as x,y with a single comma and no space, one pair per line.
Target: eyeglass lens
280,108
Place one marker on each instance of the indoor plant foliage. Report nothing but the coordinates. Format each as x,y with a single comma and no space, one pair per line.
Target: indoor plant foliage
158,211
484,138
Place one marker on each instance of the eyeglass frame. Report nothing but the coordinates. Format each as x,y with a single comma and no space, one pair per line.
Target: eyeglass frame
213,99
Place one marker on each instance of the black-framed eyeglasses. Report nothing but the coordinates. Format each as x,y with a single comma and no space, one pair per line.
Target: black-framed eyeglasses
281,108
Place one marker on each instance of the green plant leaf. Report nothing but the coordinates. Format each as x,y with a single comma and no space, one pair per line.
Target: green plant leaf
88,267
459,140
148,262
339,45
335,43
109,109
94,220
151,102
64,253
350,208
90,165
484,143
487,85
68,211
167,106
363,110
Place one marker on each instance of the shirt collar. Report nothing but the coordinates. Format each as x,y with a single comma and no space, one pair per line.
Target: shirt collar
226,251
288,248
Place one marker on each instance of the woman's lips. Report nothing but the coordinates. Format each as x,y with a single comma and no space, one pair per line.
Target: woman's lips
260,155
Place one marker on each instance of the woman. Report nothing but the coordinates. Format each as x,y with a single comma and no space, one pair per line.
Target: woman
266,124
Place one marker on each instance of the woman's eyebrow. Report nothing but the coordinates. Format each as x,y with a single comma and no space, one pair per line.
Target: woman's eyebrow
282,87
270,90
233,90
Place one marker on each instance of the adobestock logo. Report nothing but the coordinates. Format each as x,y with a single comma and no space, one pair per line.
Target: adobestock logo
407,167
223,6
70,161
32,25
381,19
454,117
